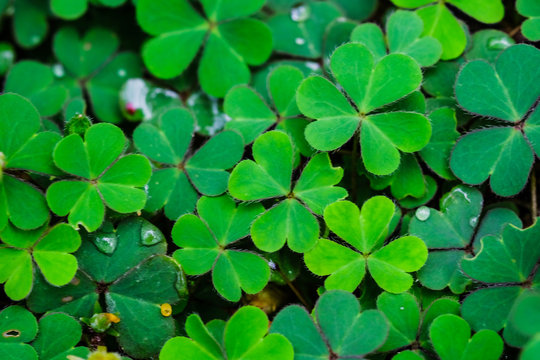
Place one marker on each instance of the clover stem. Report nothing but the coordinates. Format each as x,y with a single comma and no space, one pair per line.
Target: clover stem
294,289
354,164
534,202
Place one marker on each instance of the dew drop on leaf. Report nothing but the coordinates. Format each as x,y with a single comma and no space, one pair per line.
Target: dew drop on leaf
150,235
105,242
422,213
300,13
473,221
299,41
498,43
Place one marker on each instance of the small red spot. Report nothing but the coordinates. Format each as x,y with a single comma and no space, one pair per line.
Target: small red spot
130,109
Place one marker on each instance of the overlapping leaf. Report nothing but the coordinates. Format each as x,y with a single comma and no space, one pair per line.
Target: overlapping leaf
453,233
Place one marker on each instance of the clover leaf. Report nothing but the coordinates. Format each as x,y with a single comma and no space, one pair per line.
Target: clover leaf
105,177
30,22
204,245
408,324
50,249
133,282
453,233
365,232
505,92
251,116
58,335
488,44
18,327
437,152
485,344
291,220
507,264
370,84
441,23
175,184
524,318
219,340
231,40
40,89
73,9
300,31
531,26
404,30
337,330
22,147
91,65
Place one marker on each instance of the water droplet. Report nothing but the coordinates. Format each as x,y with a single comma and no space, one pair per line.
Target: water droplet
402,308
313,65
300,41
150,235
34,39
105,242
300,13
272,264
422,213
498,43
122,72
58,70
473,221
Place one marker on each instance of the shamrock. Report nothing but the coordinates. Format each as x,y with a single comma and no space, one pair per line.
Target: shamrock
269,176
337,330
506,92
204,244
453,233
175,183
103,176
370,84
530,27
365,231
231,40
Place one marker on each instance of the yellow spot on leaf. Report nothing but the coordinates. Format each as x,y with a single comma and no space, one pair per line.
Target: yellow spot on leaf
112,318
166,309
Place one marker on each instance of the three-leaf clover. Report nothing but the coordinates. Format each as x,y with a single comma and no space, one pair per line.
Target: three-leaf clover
50,249
133,282
291,220
244,336
365,232
440,23
231,40
175,183
204,245
370,84
337,330
251,116
508,265
403,35
453,233
40,88
485,344
22,147
92,66
408,323
506,92
104,177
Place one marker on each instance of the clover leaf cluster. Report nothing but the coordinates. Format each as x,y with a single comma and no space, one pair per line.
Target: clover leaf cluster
269,179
